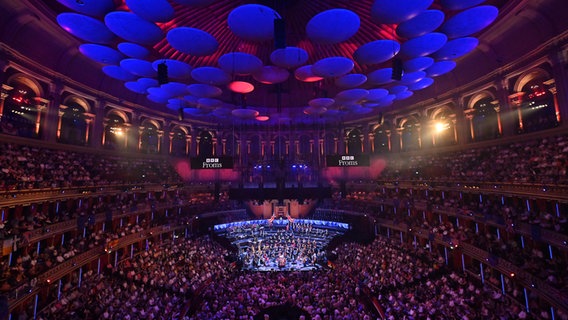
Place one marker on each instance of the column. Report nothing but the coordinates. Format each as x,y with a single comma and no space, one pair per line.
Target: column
551,86
49,133
165,139
419,129
133,131
52,113
469,116
194,142
400,132
389,137
3,95
497,109
97,140
60,114
515,101
560,76
371,142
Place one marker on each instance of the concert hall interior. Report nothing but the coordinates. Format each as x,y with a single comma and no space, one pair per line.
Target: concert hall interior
284,159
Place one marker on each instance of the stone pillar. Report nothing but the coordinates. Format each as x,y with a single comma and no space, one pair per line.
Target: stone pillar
560,77
469,116
98,124
3,95
50,124
497,109
516,101
551,86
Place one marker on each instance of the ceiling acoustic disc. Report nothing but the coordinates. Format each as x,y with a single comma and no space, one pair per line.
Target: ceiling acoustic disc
138,67
271,75
94,8
376,51
403,95
201,90
421,84
192,41
456,48
398,89
321,102
333,26
211,75
376,94
241,87
333,67
131,27
239,63
118,73
352,94
423,45
133,50
315,110
175,89
135,86
469,21
417,64
459,4
157,99
289,57
152,10
425,22
101,54
412,77
381,76
245,113
305,74
85,27
176,69
253,22
441,67
397,11
351,80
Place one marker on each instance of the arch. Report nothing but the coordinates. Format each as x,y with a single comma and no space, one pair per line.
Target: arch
205,143
182,128
31,83
478,96
528,76
156,124
354,144
77,101
441,111
118,113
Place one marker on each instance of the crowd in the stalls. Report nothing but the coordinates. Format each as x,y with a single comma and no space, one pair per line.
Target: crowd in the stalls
543,161
157,283
24,167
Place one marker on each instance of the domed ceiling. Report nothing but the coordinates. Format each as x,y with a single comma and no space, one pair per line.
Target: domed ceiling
276,60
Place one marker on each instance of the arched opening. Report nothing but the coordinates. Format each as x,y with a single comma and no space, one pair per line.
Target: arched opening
178,142
149,137
484,121
443,127
73,125
231,146
205,144
537,107
354,142
410,134
20,114
381,141
115,132
329,144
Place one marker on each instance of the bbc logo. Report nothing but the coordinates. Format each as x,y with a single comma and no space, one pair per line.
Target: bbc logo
211,160
347,158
